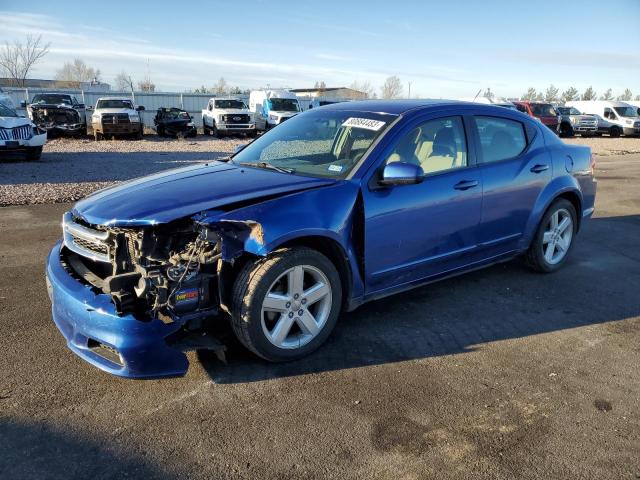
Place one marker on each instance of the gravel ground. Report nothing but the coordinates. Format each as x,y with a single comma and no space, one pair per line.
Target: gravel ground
70,169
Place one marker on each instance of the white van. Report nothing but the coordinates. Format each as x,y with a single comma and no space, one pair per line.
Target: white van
272,107
622,114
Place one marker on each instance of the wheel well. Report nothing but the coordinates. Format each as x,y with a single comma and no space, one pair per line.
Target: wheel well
334,252
575,201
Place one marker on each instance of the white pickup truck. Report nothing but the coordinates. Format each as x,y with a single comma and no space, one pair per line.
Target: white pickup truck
227,116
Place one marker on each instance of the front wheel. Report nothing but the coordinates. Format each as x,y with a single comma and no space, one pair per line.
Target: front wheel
554,237
286,305
34,153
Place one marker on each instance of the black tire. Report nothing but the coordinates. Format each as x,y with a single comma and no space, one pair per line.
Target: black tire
615,132
566,131
214,131
253,134
160,130
140,134
535,254
34,153
251,287
205,129
97,136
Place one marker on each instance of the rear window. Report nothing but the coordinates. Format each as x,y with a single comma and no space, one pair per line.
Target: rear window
500,138
543,110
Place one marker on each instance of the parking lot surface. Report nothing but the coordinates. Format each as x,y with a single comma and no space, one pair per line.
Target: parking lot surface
501,374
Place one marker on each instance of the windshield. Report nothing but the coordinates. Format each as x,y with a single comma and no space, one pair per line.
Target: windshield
7,111
626,111
114,104
52,99
568,111
317,143
177,114
543,110
230,104
284,105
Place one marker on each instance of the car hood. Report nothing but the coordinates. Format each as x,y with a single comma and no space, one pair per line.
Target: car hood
12,122
232,111
116,110
51,105
178,193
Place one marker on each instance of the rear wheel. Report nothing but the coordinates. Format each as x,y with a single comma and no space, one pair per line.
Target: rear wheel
285,306
97,136
615,132
214,131
554,237
205,129
160,131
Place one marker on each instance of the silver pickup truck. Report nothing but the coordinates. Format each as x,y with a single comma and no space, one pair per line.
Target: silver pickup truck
572,122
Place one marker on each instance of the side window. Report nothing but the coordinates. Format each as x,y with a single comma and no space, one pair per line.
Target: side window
210,104
500,138
435,145
521,108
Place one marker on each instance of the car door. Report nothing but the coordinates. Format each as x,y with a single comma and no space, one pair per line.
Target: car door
422,230
515,166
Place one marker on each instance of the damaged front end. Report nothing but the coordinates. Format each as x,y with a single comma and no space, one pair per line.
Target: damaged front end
60,119
149,289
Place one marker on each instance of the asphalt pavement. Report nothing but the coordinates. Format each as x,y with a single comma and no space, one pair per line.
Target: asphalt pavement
501,373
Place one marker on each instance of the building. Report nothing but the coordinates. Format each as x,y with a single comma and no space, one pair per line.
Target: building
93,86
335,93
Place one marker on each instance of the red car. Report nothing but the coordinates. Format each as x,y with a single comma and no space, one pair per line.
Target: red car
542,111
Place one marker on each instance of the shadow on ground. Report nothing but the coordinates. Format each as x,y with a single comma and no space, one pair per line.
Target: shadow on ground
33,450
458,315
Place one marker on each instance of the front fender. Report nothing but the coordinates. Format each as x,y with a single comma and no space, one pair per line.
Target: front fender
555,188
261,228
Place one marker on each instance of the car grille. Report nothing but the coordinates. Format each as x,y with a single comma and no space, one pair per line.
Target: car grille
115,118
636,125
588,123
241,118
85,241
24,132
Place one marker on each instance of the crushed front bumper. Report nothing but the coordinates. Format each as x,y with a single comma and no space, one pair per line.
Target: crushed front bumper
121,345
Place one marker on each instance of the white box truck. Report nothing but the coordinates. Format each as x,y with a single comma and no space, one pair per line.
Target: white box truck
620,114
272,107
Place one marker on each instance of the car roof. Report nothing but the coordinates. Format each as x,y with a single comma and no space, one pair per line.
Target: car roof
398,107
116,98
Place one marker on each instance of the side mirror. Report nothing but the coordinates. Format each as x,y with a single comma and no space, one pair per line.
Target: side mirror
80,105
140,108
401,173
90,108
23,104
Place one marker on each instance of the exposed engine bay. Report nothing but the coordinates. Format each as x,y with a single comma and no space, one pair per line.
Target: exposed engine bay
165,272
62,119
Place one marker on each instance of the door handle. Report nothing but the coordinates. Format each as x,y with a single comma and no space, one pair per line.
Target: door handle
465,184
539,168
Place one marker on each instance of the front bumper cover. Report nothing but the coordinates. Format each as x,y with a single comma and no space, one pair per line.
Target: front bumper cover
121,345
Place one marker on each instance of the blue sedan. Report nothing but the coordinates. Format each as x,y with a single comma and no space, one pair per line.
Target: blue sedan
335,207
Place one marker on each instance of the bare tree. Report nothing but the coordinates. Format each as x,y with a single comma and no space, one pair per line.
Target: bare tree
77,72
392,88
367,91
18,58
320,85
146,85
608,95
529,95
123,81
488,94
637,99
570,94
626,96
221,87
235,90
551,94
589,94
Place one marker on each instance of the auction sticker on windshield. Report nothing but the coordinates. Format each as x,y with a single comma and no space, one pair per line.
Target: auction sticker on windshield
366,123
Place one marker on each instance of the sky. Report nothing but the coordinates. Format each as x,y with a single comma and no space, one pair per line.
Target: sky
445,49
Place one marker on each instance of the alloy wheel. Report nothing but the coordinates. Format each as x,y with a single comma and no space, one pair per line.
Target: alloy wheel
296,307
557,236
